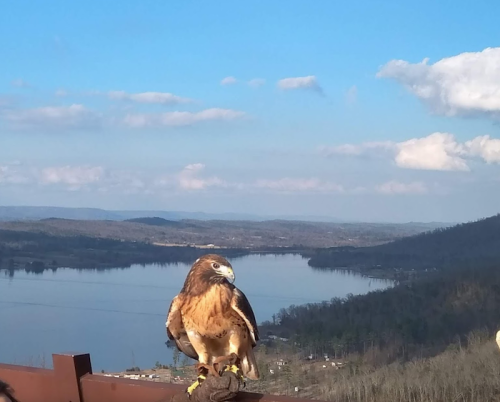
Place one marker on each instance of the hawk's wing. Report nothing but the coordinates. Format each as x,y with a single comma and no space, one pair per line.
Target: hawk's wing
241,305
176,331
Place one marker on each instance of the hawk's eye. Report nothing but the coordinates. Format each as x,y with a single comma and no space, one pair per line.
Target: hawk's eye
215,265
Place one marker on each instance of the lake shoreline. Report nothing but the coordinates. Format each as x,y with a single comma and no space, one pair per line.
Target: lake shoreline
39,263
110,259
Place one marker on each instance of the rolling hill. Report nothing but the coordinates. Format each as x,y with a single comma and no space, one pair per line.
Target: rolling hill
468,244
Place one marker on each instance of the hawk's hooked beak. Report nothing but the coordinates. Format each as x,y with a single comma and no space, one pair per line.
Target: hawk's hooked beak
227,272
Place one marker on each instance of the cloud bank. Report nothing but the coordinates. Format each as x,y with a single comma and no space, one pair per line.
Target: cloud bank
437,151
192,178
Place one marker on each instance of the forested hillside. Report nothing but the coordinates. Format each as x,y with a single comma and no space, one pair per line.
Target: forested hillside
401,322
467,244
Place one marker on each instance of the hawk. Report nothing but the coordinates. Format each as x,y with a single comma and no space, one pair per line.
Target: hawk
211,320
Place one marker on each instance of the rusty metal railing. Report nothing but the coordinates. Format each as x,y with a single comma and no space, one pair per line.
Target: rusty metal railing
72,380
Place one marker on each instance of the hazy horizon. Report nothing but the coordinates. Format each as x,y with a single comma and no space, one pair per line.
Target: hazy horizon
178,214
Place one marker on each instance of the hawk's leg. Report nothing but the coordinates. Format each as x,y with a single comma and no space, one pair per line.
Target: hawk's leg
203,370
232,359
233,364
206,369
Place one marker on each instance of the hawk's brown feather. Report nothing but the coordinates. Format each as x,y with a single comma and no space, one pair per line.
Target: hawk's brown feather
210,317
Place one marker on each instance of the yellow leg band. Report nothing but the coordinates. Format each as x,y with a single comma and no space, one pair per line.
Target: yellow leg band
234,369
195,385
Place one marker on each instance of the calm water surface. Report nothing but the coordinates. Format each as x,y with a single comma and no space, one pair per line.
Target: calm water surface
118,315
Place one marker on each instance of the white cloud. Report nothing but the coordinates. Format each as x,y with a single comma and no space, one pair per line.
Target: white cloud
96,178
74,116
437,151
395,187
61,93
256,82
73,176
228,81
309,82
163,98
189,179
298,185
466,84
484,147
351,95
142,120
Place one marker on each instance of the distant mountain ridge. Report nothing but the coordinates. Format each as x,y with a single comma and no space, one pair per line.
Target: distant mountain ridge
14,213
9,213
21,213
470,244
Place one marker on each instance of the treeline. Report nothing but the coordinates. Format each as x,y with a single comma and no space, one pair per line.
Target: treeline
464,245
36,252
415,320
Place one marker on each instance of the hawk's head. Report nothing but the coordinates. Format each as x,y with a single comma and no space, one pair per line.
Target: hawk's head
209,269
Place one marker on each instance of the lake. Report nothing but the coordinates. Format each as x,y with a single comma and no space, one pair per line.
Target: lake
118,315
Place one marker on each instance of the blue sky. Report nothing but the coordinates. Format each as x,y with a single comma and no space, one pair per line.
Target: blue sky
324,108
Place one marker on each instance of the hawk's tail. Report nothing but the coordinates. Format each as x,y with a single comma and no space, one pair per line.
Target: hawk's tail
249,365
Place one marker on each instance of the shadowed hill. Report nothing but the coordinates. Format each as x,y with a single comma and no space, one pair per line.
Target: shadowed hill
466,244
